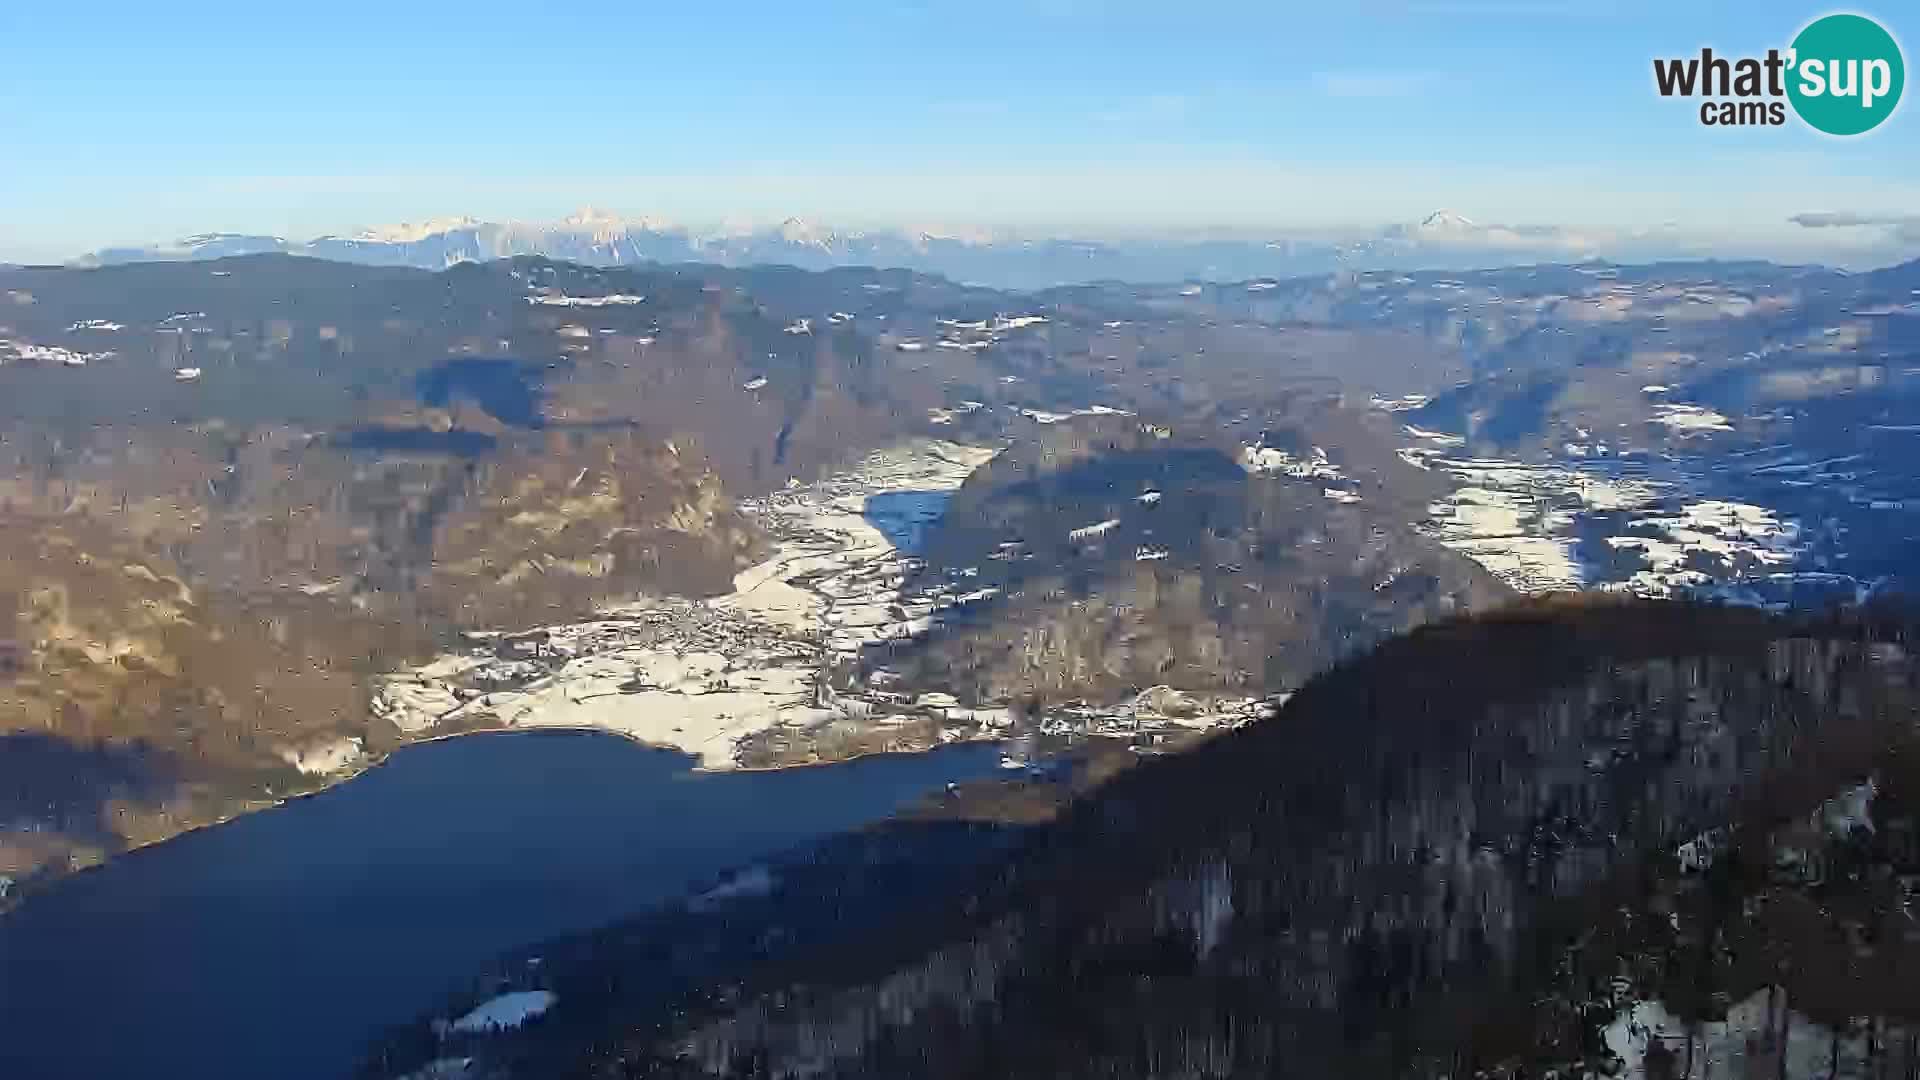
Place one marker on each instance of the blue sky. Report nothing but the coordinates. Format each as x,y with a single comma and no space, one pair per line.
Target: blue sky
139,121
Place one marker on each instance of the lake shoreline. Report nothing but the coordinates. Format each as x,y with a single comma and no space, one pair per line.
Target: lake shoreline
821,525
393,890
24,890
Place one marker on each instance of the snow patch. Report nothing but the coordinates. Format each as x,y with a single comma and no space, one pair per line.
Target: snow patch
1042,416
1690,419
323,757
1098,528
51,354
1439,438
753,881
1261,459
1736,1046
505,1012
1017,322
562,300
1851,809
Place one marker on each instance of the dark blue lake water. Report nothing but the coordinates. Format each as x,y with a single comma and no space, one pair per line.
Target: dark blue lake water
275,945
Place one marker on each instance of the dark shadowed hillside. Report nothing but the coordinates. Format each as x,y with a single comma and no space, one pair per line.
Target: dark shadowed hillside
1469,850
1124,559
1569,835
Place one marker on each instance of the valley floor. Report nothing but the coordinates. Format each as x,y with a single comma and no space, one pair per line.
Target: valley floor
1652,526
746,679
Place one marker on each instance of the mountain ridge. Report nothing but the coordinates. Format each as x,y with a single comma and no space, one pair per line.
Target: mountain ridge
1005,258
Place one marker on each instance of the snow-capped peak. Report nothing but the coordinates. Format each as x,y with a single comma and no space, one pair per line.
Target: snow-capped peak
603,224
927,235
411,232
1446,221
213,239
801,231
592,215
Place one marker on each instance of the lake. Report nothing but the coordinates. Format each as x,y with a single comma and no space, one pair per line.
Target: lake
275,945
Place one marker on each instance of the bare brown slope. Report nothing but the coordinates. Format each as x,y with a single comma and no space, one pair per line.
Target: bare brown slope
171,704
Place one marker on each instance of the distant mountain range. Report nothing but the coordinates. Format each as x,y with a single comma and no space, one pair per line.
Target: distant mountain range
1000,259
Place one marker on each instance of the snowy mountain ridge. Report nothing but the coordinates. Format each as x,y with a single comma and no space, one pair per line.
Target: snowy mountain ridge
996,257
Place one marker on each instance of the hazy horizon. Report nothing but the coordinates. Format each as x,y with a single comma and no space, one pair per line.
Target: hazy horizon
1058,118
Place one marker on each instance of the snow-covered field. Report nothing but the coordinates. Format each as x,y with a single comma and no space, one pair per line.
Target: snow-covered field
701,675
1538,527
704,675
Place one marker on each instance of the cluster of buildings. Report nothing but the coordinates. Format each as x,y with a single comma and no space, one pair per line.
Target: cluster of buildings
757,677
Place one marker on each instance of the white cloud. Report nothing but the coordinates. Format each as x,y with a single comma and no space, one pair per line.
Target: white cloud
1842,219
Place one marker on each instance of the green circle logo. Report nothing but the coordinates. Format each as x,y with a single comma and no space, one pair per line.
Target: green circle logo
1846,74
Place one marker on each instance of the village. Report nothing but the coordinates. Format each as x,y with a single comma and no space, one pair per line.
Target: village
769,676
